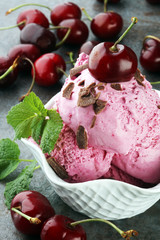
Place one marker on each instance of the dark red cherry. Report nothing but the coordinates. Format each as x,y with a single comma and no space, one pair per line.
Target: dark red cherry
48,69
112,66
150,54
5,64
153,1
32,16
59,228
79,31
107,25
35,34
33,204
65,11
88,46
29,51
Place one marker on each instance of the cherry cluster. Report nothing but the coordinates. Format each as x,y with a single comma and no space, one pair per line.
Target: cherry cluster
38,42
32,214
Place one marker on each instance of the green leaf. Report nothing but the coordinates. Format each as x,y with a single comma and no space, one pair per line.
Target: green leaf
51,131
20,117
37,127
21,183
9,157
30,118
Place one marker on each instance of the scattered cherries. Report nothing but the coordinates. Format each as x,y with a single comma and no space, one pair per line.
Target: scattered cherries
150,54
113,62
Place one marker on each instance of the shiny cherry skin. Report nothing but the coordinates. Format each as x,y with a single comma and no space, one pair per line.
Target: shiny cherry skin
153,1
35,34
59,228
33,204
32,16
47,69
108,66
79,31
29,51
150,55
5,64
106,25
65,11
88,46
111,1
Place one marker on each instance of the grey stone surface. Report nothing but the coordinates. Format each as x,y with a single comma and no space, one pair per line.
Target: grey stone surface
149,21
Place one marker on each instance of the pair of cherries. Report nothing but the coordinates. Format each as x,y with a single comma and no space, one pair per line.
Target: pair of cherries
32,214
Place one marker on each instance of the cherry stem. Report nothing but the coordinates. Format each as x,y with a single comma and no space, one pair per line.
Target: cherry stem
61,70
27,4
14,26
152,83
33,80
26,160
10,69
105,5
30,219
125,234
70,54
151,37
114,47
87,15
58,45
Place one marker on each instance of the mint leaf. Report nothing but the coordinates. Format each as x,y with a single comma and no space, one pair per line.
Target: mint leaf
20,117
37,127
9,157
21,183
30,118
51,131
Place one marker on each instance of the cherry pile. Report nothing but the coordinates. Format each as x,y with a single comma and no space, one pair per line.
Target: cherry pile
32,214
39,39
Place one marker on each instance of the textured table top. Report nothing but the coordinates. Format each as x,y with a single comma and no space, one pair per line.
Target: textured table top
147,224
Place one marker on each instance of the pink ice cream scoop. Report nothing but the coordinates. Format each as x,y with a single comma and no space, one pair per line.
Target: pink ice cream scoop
122,119
80,164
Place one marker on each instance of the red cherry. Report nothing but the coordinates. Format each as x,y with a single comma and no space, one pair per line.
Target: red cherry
5,64
35,34
32,16
106,25
79,31
59,228
88,46
112,66
48,69
153,1
24,51
65,11
33,204
150,54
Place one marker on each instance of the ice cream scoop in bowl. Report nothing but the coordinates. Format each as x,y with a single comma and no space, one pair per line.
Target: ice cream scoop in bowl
102,198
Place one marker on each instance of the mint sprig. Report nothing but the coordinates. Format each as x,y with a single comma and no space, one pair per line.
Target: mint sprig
9,157
31,118
21,183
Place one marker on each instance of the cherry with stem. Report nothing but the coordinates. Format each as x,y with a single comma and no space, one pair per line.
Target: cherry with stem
114,62
105,25
150,54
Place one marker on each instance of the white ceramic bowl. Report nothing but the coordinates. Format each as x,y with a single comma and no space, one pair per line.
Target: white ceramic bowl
103,198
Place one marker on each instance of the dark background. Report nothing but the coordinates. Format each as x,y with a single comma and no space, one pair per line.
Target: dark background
147,224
